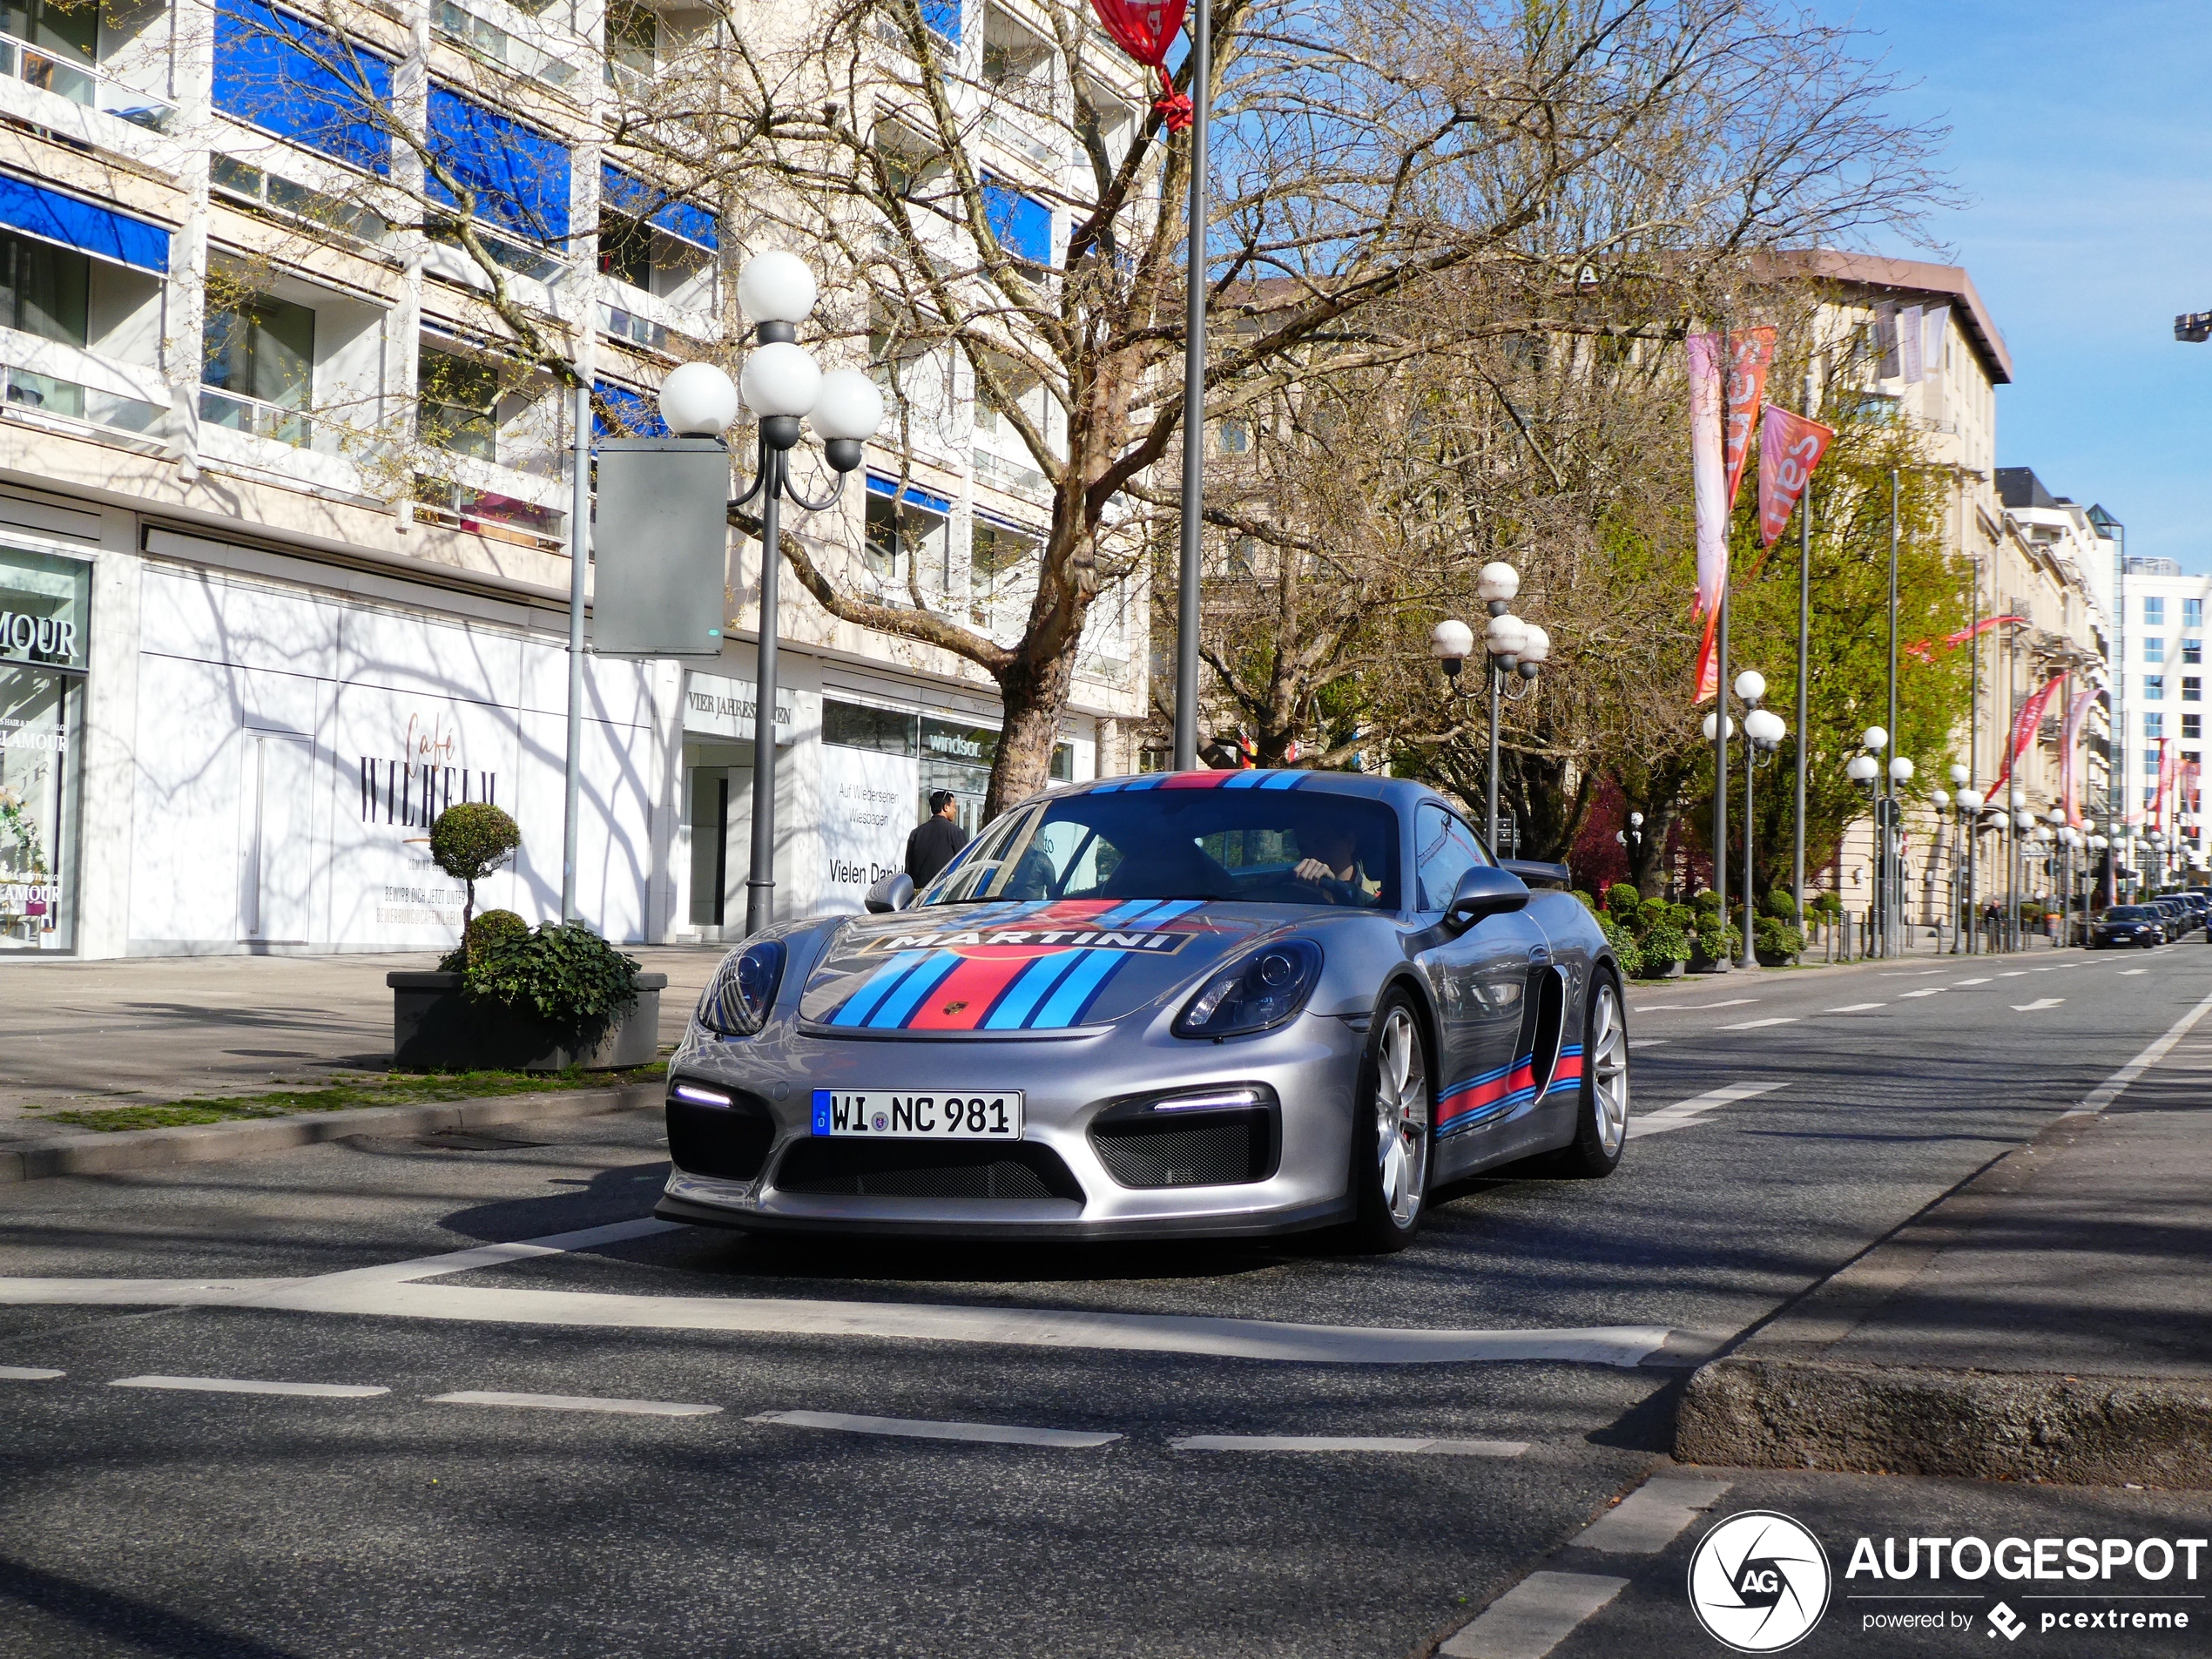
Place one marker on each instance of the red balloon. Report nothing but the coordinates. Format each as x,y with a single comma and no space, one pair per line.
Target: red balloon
1145,32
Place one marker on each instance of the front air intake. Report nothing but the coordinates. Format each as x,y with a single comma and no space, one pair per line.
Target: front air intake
992,1171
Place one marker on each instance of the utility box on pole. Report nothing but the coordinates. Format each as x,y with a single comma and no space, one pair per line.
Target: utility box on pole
661,548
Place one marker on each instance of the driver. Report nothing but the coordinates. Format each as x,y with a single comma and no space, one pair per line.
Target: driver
1332,864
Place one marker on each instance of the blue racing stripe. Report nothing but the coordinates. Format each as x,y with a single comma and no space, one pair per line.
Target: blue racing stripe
1122,915
1171,909
894,1008
1245,780
862,1002
1283,780
1036,979
1065,1006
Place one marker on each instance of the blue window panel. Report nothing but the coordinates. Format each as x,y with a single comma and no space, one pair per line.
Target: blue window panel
640,200
289,78
878,485
1023,224
639,413
942,18
53,217
518,176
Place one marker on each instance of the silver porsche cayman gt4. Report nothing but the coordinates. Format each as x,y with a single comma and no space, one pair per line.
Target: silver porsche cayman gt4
1172,1005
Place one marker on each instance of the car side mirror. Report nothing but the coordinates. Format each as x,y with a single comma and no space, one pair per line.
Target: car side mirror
1483,892
894,892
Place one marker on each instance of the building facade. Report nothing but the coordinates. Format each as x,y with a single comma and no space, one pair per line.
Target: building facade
284,533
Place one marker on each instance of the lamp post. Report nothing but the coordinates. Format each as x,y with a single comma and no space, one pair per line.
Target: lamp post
1762,734
1900,773
2020,822
1517,651
1970,804
1876,740
782,385
1940,800
1864,770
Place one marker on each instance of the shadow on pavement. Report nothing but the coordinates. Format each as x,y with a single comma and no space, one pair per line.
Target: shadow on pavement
124,1619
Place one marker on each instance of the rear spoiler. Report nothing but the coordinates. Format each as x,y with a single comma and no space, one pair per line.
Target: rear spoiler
1537,874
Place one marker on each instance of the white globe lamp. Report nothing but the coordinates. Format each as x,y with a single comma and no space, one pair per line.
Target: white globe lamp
697,401
776,286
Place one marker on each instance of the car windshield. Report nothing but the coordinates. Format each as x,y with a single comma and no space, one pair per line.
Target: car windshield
2128,912
1264,845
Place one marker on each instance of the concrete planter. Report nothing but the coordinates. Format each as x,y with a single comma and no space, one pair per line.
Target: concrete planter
436,1028
1673,970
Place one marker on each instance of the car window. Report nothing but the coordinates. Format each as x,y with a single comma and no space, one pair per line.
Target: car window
1444,850
1273,845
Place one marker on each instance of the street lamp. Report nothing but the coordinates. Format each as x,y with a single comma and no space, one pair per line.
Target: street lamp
1970,804
1762,733
783,386
1517,650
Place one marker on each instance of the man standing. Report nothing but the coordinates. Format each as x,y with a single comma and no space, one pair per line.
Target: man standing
930,848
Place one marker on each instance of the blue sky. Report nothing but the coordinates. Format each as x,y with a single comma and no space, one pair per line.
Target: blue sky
2082,136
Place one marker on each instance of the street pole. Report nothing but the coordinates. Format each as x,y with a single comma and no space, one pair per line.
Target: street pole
1971,822
1805,657
1491,790
579,569
1891,942
1720,696
1750,959
1194,403
760,880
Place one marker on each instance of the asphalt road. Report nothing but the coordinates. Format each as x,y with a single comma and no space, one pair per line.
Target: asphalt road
141,1516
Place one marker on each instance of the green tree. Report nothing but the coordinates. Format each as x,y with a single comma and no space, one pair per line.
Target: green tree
468,842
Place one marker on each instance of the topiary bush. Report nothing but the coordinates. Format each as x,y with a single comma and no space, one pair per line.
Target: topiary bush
1782,905
562,972
468,842
1663,944
1623,902
493,928
1588,903
1625,946
1778,942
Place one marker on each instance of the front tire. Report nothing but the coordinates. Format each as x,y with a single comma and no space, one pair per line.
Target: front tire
1602,1109
1393,1114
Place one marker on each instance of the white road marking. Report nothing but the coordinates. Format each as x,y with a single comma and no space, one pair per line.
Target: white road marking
1534,1616
2130,973
1983,980
1753,1025
1683,1113
2040,1002
574,1403
390,1292
1690,1007
1910,973
1925,990
1649,1043
243,1385
921,1429
1856,1008
1346,1443
2018,973
29,1374
2112,1086
1652,1516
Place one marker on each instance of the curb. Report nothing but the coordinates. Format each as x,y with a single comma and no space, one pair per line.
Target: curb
121,1150
1986,1426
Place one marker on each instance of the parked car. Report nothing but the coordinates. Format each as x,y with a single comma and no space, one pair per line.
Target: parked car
2130,925
1173,1005
2178,919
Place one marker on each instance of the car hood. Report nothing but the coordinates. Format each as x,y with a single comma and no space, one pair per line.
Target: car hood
988,968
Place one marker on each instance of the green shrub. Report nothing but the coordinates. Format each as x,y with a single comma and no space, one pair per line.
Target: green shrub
562,972
493,928
1717,941
1588,903
1777,941
1662,945
1623,902
1625,946
1707,903
1682,919
1782,905
1826,904
468,842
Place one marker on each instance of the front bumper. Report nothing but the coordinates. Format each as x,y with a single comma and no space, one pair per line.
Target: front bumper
1312,1065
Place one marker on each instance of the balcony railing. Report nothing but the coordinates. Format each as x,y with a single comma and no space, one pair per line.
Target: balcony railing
26,392
489,40
638,331
37,67
235,177
490,514
1011,130
1010,475
257,418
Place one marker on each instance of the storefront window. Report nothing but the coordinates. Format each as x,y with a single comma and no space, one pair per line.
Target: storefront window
44,604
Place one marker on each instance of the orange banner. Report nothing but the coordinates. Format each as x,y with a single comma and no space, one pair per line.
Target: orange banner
1789,448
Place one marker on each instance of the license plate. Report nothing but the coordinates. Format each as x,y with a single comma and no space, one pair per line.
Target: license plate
884,1115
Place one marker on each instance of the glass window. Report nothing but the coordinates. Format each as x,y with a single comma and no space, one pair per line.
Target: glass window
2192,725
2192,613
1064,763
626,250
44,613
458,404
300,83
2155,687
958,758
262,349
2192,689
44,289
2154,649
2192,653
1444,850
2154,610
900,532
2150,763
853,726
2154,725
1261,847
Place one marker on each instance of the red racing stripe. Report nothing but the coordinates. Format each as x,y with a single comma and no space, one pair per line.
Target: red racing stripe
969,991
1197,780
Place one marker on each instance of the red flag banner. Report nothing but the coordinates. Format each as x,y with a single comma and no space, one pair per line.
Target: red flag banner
2161,808
1709,481
1789,448
2024,725
1750,354
1145,28
1924,649
2069,774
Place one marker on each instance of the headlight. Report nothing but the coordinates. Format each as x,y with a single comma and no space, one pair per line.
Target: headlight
1256,993
743,990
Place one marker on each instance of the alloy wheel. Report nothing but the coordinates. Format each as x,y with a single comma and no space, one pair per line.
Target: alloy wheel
1401,1116
1608,1059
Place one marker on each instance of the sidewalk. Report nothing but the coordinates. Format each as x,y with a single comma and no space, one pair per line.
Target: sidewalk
2051,1320
160,1028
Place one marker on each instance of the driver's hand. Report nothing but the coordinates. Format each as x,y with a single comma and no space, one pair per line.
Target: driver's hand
1313,870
